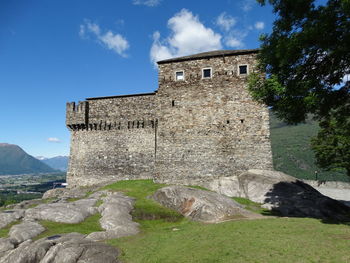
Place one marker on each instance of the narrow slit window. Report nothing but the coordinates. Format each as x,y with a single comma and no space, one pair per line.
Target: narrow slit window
173,103
243,69
179,75
206,73
242,120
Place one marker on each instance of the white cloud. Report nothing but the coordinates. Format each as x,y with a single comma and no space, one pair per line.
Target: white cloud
225,21
150,3
114,42
259,25
235,38
188,36
247,5
234,42
54,139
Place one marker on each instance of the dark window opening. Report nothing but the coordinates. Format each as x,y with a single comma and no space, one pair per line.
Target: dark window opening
242,120
207,73
243,69
228,121
179,75
173,103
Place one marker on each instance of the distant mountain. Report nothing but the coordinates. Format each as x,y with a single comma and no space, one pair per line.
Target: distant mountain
58,162
13,160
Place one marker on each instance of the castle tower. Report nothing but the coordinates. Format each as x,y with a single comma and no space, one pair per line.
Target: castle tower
209,126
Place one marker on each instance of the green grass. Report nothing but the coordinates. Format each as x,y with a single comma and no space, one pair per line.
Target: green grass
252,206
5,231
292,153
89,225
264,240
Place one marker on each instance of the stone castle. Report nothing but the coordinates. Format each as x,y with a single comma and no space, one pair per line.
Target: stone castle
201,124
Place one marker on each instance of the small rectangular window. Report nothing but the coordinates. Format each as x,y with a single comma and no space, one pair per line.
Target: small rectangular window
206,73
243,69
179,75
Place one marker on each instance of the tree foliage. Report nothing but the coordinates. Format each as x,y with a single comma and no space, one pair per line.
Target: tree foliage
332,144
305,57
307,63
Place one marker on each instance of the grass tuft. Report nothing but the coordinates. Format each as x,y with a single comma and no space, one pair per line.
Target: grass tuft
5,231
89,225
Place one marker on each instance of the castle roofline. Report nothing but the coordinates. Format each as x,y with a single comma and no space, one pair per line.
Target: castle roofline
123,96
210,54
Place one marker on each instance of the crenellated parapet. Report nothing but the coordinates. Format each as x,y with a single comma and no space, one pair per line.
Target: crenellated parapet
77,115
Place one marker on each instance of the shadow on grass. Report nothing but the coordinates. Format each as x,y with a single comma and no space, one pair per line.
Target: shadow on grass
298,199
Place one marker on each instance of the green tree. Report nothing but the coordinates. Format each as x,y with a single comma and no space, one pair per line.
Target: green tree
306,58
332,143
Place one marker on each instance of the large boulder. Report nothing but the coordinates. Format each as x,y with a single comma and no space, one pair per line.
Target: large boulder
283,193
116,218
200,205
9,216
63,212
70,248
24,231
6,244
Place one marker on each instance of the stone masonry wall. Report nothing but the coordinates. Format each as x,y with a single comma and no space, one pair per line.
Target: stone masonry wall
209,128
189,132
115,142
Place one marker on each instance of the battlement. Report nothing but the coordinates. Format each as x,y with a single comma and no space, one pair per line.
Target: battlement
77,115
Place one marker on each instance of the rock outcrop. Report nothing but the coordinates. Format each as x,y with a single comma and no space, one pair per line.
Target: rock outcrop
116,218
24,231
72,248
10,216
200,205
63,212
281,192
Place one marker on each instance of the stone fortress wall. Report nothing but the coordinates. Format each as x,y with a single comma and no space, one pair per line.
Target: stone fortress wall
190,131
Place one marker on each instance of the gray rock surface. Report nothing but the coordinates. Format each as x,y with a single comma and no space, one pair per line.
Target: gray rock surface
25,204
6,245
66,193
63,212
283,193
116,218
24,231
9,216
70,248
200,205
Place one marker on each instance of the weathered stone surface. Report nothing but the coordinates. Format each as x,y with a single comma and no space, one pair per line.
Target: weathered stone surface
63,212
70,248
189,131
24,231
200,205
281,192
25,204
6,245
116,218
9,216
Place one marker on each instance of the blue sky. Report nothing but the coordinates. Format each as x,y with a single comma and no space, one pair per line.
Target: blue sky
53,52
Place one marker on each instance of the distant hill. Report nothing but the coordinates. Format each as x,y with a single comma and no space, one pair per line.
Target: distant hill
58,162
292,152
13,160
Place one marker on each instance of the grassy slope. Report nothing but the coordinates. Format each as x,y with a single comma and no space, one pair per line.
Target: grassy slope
176,239
292,153
167,236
